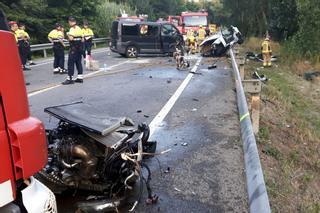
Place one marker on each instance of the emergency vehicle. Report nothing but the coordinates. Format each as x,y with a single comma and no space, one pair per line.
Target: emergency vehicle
23,147
190,20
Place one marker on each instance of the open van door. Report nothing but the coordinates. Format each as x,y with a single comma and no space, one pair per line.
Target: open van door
169,35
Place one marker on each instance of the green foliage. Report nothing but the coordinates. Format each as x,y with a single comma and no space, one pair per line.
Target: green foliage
106,14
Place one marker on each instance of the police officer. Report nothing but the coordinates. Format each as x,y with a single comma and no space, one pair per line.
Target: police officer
22,27
21,43
56,37
88,36
75,36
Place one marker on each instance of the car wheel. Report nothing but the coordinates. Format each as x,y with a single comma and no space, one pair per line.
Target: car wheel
132,52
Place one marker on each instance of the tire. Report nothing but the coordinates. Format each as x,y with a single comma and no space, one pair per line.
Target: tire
132,52
219,50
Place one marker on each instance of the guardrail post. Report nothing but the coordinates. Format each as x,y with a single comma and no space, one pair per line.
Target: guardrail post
241,62
253,87
255,112
95,44
45,53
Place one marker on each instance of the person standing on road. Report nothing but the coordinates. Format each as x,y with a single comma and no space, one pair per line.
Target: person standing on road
75,36
201,34
266,52
20,42
56,37
88,36
22,27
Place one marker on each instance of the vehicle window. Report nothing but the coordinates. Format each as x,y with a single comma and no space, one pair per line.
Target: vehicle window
168,29
132,30
191,21
149,30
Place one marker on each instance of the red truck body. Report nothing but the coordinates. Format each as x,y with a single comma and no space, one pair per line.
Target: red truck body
23,147
190,20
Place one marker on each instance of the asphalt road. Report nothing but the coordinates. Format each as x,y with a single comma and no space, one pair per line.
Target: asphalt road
194,115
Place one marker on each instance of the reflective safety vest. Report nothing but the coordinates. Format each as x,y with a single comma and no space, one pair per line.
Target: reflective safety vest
87,33
56,35
202,34
24,34
76,32
265,47
19,34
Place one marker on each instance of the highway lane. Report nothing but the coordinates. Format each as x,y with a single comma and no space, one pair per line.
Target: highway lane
199,109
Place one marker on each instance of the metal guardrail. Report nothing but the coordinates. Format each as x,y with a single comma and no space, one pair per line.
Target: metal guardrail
47,46
257,192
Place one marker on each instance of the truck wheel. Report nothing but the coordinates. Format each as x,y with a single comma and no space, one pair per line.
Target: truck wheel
132,52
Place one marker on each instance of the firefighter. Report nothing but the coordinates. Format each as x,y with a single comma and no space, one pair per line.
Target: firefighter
266,52
201,34
75,36
22,27
88,36
19,35
192,44
56,37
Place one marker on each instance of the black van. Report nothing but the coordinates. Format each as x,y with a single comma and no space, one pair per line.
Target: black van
131,39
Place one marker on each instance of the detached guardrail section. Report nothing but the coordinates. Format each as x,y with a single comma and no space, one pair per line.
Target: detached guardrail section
257,192
47,46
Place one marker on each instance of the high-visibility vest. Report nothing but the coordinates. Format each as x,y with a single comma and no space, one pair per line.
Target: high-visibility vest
202,34
76,32
56,35
87,33
266,47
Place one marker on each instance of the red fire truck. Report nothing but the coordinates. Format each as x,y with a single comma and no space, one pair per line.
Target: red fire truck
190,20
23,147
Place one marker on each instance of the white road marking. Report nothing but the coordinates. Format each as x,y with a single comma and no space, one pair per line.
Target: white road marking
156,122
85,76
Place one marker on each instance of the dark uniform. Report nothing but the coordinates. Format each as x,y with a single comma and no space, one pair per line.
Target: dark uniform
75,35
23,51
56,36
88,36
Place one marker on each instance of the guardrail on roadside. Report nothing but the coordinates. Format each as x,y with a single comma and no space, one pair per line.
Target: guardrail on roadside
257,192
47,46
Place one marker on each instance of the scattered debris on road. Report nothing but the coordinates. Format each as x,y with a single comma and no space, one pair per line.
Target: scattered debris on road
167,170
178,190
139,111
184,144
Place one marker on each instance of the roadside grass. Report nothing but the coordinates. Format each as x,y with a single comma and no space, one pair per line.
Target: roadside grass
289,137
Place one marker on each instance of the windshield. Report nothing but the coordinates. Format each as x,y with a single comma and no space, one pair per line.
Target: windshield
193,21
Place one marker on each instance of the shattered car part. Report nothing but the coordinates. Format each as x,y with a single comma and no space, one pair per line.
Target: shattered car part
219,43
85,152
